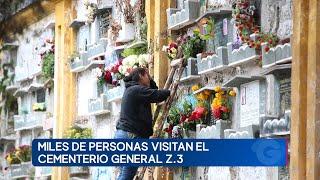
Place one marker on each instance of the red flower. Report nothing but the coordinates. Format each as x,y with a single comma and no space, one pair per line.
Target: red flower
224,109
216,113
267,48
173,45
182,118
169,129
108,77
200,110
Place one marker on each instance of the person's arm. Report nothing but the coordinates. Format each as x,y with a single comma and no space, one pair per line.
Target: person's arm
152,95
153,84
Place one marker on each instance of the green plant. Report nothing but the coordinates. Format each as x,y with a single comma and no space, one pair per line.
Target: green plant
48,65
10,102
23,153
39,107
207,29
135,51
173,116
192,46
77,132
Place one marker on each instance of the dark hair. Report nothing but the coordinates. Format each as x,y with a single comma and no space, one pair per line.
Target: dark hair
135,74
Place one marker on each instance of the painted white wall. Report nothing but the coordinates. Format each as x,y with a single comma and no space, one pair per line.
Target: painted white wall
28,57
86,89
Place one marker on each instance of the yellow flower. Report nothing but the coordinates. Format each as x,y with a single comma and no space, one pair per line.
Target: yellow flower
200,97
232,93
9,159
195,87
218,95
217,89
216,103
17,153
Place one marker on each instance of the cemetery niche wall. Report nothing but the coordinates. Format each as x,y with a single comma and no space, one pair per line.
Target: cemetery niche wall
234,51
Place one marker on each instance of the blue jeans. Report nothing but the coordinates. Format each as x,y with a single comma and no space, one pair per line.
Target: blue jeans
126,173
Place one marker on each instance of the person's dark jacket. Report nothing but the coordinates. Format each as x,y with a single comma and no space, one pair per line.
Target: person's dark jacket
136,115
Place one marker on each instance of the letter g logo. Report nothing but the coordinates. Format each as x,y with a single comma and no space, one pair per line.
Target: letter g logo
268,152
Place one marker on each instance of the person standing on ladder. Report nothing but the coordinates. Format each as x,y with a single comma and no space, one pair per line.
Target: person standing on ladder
136,117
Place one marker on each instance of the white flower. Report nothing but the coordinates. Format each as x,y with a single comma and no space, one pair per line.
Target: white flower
130,60
143,59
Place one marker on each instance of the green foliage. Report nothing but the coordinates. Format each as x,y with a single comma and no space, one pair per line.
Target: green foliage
135,51
48,65
10,102
186,107
193,46
77,132
208,29
174,115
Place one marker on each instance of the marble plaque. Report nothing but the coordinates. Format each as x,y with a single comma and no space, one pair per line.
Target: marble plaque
285,94
249,103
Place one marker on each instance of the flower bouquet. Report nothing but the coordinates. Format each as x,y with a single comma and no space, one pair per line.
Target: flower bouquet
12,158
131,62
221,104
172,50
39,107
23,153
47,57
103,75
77,132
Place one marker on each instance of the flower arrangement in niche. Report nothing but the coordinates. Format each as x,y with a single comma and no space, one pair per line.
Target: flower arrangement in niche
39,107
128,9
103,75
133,61
244,17
191,45
203,95
172,50
221,103
47,58
186,117
114,73
114,28
92,9
18,155
77,132
12,158
205,29
24,153
135,51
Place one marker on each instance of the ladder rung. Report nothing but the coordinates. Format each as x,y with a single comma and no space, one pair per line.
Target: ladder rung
176,62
